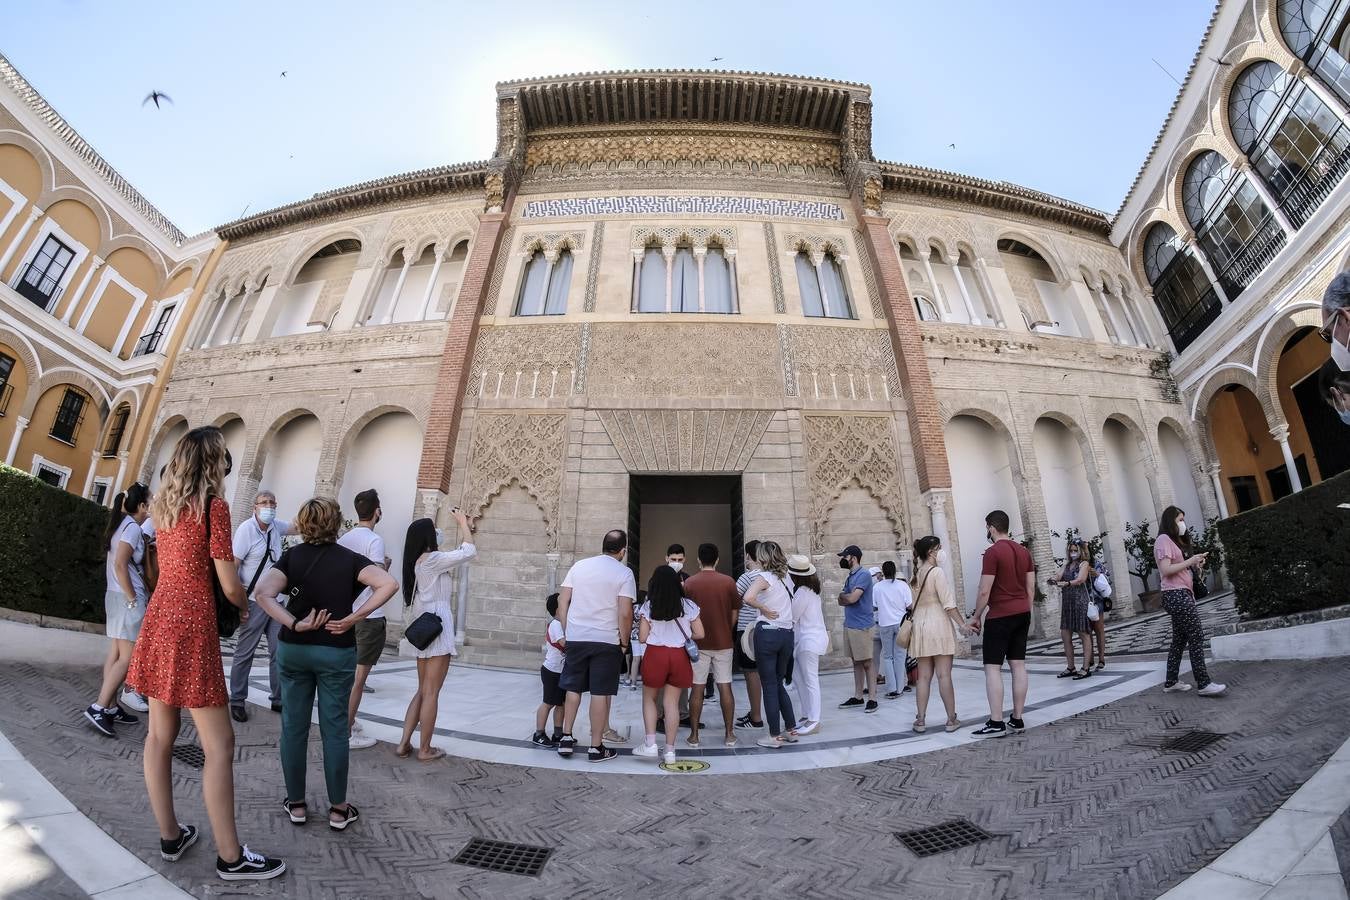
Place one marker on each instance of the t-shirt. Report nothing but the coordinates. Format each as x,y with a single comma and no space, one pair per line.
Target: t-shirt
893,598
860,614
1166,548
747,615
553,657
597,583
254,547
776,597
128,533
667,633
808,622
1010,563
327,576
366,542
718,602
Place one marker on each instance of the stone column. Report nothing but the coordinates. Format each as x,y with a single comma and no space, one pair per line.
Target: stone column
19,425
975,319
1191,244
398,289
215,322
1004,297
263,315
700,254
122,457
551,570
1214,479
1085,309
89,478
1281,435
936,501
353,305
668,254
33,215
926,257
1244,166
1115,323
76,297
431,285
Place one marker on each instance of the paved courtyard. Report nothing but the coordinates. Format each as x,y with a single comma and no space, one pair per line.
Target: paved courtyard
1085,806
1150,632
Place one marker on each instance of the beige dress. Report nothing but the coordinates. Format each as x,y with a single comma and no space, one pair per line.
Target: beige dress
934,633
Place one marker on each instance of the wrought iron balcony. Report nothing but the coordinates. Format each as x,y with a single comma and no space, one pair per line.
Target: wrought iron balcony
148,343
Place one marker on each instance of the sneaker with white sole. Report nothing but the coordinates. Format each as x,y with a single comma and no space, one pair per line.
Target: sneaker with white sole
807,728
1179,687
120,715
174,850
1213,689
249,867
361,742
101,720
669,758
646,751
135,701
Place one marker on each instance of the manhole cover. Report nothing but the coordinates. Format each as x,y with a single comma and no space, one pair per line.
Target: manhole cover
1192,741
503,856
189,754
941,838
686,765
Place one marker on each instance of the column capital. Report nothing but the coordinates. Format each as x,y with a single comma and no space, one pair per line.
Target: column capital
1280,433
952,259
936,498
124,455
1213,470
94,455
34,214
21,422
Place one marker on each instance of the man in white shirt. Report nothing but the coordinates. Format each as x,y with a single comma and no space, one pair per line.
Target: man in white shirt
370,631
595,607
257,545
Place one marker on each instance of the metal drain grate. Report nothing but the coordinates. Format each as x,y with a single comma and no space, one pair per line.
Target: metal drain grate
941,838
1192,741
504,856
189,754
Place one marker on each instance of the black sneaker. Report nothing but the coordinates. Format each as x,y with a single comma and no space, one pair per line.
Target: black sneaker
566,744
851,702
893,695
539,739
601,753
238,712
991,729
100,719
871,707
276,708
747,723
174,850
250,867
121,716
1016,724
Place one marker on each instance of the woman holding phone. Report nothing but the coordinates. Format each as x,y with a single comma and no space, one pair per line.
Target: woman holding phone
1172,550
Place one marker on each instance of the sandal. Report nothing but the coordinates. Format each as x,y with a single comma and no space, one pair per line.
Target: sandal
952,725
296,818
435,754
1067,673
1085,673
349,815
919,726
403,752
1101,665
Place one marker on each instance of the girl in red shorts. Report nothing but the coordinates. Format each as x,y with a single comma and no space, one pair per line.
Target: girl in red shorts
665,621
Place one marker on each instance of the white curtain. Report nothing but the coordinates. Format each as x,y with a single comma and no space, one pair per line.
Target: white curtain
684,282
531,300
809,286
558,282
716,282
652,282
836,297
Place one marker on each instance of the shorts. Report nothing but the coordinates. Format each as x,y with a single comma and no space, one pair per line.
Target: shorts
1006,638
739,660
369,641
718,661
592,667
123,622
859,642
663,666
554,695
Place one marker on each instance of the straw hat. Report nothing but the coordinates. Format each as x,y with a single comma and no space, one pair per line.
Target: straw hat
800,564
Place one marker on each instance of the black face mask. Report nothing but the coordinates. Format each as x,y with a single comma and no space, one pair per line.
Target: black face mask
229,464
843,563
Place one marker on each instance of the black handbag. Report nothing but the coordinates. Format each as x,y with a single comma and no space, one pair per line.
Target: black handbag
227,614
1199,587
423,630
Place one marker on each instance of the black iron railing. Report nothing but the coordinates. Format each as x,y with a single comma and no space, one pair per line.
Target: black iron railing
148,343
1244,263
1301,194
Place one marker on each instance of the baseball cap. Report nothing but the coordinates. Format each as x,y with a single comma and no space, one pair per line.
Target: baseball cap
851,550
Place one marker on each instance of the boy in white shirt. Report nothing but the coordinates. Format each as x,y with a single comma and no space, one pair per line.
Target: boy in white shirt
370,631
554,696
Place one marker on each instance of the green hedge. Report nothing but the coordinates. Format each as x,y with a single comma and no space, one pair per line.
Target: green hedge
1293,555
51,549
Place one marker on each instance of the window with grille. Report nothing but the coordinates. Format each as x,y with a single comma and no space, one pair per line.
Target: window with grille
151,340
1232,224
69,416
117,431
6,389
41,281
51,475
1181,289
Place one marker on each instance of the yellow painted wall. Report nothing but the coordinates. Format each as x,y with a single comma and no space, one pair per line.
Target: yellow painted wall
107,320
79,222
20,171
178,283
20,378
1300,360
38,440
1235,421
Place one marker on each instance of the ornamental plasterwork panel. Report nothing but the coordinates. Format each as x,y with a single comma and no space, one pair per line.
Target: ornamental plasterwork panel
674,235
665,176
247,263
526,449
779,151
714,206
499,269
417,229
704,360
699,440
817,245
869,277
775,272
949,231
839,363
551,242
843,450
593,269
524,362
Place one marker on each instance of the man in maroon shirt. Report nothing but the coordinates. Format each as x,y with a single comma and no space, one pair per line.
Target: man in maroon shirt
1007,584
718,602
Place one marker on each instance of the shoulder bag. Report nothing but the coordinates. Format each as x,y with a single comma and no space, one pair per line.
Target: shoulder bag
227,614
297,603
424,629
906,632
690,645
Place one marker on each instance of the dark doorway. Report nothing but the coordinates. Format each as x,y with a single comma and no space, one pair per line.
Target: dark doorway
1328,435
688,510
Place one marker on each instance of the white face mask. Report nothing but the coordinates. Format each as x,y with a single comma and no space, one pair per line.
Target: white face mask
1181,526
266,514
677,566
1340,352
440,537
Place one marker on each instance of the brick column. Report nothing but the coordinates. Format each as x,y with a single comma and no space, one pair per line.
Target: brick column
447,405
925,420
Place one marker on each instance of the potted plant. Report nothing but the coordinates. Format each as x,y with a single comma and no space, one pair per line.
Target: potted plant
1139,546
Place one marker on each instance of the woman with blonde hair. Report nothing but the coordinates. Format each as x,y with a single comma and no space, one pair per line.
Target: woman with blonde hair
317,651
176,663
771,596
935,624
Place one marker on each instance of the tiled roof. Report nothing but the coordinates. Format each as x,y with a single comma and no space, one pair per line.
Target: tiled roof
995,194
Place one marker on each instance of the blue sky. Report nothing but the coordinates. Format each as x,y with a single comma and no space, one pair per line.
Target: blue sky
1063,97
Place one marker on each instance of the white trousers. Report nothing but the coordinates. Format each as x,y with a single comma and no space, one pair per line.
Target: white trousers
806,681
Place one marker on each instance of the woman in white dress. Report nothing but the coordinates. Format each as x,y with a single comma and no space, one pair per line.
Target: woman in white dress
427,587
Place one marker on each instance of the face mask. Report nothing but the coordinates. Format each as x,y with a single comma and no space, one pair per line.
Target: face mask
1181,526
843,564
942,557
1345,415
988,535
1073,554
440,537
677,566
266,515
229,467
1339,352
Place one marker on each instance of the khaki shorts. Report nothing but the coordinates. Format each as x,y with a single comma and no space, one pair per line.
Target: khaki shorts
859,642
719,661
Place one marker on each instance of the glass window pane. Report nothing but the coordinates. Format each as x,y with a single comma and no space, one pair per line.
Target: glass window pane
684,282
652,282
558,284
809,286
531,300
836,295
716,282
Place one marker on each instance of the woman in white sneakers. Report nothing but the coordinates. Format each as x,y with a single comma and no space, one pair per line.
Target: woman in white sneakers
811,640
1172,550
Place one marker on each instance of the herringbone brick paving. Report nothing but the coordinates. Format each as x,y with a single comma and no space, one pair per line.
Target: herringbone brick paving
1150,632
1085,807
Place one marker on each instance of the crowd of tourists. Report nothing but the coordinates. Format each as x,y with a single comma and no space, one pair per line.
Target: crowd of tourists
319,605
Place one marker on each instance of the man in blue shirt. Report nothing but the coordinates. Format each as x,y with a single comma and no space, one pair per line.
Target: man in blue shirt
859,623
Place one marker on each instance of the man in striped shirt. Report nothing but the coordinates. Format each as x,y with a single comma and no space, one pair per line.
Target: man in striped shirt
744,619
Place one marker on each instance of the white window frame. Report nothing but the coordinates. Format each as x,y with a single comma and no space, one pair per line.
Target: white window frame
50,228
106,484
41,462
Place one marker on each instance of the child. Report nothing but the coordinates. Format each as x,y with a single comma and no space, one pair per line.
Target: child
666,621
636,650
554,696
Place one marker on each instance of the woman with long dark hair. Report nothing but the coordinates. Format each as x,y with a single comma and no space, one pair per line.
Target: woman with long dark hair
124,607
1075,586
934,627
666,620
176,663
1173,553
428,588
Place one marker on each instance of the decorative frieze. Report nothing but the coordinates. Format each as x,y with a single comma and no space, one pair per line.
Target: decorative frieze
657,205
674,235
837,363
524,362
845,450
653,144
697,440
704,360
527,449
593,268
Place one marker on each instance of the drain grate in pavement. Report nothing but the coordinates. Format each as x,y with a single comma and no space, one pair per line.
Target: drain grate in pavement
1192,741
503,856
189,754
941,838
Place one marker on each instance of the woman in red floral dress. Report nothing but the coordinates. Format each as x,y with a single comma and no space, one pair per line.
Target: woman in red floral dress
176,663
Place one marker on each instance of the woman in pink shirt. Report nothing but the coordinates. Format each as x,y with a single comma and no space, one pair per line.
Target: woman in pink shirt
1172,551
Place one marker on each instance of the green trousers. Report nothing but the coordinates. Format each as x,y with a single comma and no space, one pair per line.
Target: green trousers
305,670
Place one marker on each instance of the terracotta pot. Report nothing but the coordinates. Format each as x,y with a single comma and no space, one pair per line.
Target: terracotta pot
1150,601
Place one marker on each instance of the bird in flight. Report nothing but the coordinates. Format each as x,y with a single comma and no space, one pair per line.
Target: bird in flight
1219,61
718,58
283,73
155,97
951,146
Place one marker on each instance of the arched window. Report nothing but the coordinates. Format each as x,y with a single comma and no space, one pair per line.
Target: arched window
1235,229
718,295
652,281
1181,289
531,299
1300,148
684,281
543,287
1316,31
823,289
927,311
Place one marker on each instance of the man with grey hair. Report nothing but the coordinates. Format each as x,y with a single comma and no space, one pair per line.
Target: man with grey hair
1335,328
257,544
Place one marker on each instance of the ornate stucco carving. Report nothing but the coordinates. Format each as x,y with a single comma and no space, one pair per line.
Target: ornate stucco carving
815,244
779,150
674,235
525,448
593,268
551,242
523,362
413,231
716,206
869,277
836,363
718,359
843,450
699,440
775,269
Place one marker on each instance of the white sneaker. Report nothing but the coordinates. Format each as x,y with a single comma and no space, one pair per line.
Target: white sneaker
357,729
669,758
1179,688
361,742
647,751
807,728
135,701
1213,689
